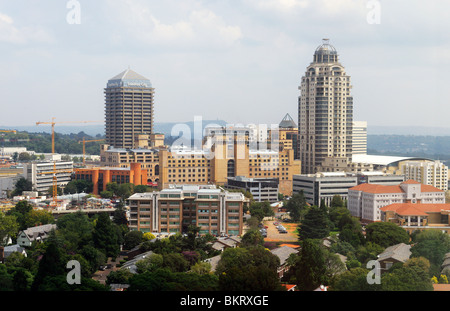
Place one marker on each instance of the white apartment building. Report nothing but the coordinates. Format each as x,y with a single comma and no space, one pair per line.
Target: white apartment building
433,173
365,200
41,174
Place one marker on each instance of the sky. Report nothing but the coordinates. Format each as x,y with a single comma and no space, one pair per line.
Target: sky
235,60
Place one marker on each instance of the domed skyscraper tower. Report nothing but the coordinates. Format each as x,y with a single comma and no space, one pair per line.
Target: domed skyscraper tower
325,114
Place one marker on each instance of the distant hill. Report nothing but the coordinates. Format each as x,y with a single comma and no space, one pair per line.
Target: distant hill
408,130
99,129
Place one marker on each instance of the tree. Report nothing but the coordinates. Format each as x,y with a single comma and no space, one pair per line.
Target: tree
150,263
75,230
297,206
51,265
386,234
125,190
248,269
353,280
412,276
21,185
106,194
252,238
337,201
314,225
310,269
132,239
433,245
140,189
8,228
105,236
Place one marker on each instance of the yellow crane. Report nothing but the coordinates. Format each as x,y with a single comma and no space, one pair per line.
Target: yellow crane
84,147
55,184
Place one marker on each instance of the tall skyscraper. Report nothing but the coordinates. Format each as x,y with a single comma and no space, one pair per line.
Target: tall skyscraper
128,108
325,114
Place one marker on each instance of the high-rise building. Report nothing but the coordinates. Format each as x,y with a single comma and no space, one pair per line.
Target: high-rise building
359,136
128,108
325,114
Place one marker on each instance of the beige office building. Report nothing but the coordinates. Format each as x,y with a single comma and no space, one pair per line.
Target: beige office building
128,108
325,114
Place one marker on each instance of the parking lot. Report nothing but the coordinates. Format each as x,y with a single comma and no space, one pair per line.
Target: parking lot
274,234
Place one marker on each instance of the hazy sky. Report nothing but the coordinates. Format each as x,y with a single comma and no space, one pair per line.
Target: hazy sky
236,60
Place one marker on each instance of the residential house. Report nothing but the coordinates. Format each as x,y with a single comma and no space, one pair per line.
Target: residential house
283,253
393,254
38,234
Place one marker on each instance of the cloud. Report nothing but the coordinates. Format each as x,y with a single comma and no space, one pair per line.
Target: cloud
199,27
10,33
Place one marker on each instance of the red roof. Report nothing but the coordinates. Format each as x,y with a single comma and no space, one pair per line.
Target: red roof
415,209
375,188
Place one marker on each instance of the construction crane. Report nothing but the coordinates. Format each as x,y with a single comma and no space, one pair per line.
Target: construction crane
55,184
84,147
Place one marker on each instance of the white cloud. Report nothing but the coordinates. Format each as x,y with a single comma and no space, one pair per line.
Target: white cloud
11,33
198,27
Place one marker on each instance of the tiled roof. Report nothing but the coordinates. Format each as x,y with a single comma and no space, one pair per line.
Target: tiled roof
283,253
415,209
375,188
400,252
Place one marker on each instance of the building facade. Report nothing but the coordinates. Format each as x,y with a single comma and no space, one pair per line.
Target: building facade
101,176
324,186
172,210
262,189
359,137
433,173
366,200
224,153
325,108
129,99
41,174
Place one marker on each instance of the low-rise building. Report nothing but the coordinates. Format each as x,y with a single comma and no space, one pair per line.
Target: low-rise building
417,216
173,209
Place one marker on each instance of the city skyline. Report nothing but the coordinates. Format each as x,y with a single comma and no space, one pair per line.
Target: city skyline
210,58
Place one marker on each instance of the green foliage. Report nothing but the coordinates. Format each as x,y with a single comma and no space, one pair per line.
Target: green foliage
106,236
297,206
8,228
21,185
132,239
314,225
261,210
310,268
252,238
248,269
386,234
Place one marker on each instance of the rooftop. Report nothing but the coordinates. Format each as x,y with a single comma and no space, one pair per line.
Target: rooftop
375,188
129,78
415,209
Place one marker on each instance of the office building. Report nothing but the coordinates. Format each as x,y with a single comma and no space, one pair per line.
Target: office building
366,200
41,174
129,100
101,176
175,208
324,186
427,172
325,114
262,189
359,137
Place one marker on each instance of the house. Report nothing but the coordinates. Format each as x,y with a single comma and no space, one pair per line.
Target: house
446,264
393,254
226,242
38,234
131,264
283,253
213,261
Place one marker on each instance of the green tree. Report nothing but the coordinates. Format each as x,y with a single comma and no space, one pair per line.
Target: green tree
8,228
310,269
21,185
409,277
248,269
337,201
354,279
105,236
140,189
150,263
297,206
386,234
132,239
314,225
252,238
